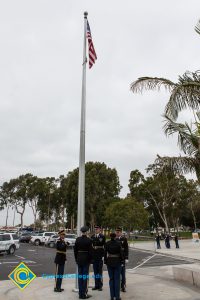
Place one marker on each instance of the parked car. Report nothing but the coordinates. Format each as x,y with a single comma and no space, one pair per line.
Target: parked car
25,237
41,238
70,238
9,242
51,242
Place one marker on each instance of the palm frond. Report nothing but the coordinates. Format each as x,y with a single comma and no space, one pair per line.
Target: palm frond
187,140
184,95
151,83
180,164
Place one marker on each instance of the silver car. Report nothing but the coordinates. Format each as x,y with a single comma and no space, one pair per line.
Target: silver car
69,238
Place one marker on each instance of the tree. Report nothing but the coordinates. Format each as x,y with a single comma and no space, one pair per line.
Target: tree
101,188
7,196
45,191
138,191
183,94
189,143
21,193
128,213
193,200
163,192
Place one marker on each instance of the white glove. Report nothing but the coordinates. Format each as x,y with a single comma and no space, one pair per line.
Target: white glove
126,261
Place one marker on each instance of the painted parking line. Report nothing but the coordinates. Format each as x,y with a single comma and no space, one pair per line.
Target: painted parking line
17,262
20,256
10,262
144,262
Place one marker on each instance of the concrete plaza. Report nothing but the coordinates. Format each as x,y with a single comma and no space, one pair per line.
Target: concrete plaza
188,248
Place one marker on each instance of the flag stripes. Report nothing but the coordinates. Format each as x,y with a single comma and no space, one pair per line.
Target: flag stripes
91,50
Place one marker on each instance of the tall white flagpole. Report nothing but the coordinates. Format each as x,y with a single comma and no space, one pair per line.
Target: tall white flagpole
81,179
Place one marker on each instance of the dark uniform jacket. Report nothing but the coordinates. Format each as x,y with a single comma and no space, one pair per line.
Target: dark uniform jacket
113,253
61,247
83,250
98,243
124,243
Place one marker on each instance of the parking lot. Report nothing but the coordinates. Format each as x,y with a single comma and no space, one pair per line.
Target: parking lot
40,259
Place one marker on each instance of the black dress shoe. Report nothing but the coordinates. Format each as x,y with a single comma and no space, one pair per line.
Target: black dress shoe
100,289
57,290
94,288
123,289
62,290
88,296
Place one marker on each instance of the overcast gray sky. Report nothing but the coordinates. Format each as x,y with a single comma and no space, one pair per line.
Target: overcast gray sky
40,73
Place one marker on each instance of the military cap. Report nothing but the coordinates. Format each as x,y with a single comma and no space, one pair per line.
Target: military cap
118,229
84,229
97,226
61,231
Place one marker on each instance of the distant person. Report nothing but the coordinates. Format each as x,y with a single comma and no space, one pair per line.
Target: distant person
176,241
61,247
158,237
167,241
114,259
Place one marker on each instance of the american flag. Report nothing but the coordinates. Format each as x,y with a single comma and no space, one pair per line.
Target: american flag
92,53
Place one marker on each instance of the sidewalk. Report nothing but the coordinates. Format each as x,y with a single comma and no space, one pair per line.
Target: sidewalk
142,284
188,248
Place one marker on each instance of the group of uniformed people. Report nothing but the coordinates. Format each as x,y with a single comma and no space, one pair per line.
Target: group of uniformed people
95,250
167,238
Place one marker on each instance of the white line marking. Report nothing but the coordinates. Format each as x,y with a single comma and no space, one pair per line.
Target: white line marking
144,262
31,250
166,255
20,256
30,262
10,262
141,250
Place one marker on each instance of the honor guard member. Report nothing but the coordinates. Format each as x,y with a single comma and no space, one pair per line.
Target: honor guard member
176,241
61,247
83,257
113,258
123,241
98,243
158,241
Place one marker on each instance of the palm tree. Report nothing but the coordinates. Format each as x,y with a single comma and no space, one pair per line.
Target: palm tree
189,143
183,94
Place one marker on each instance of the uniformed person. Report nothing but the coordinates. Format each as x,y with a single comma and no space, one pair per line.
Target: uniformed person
98,243
124,243
113,258
167,241
158,241
83,257
61,247
176,241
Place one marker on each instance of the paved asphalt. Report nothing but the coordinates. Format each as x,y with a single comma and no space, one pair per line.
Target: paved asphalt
40,260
